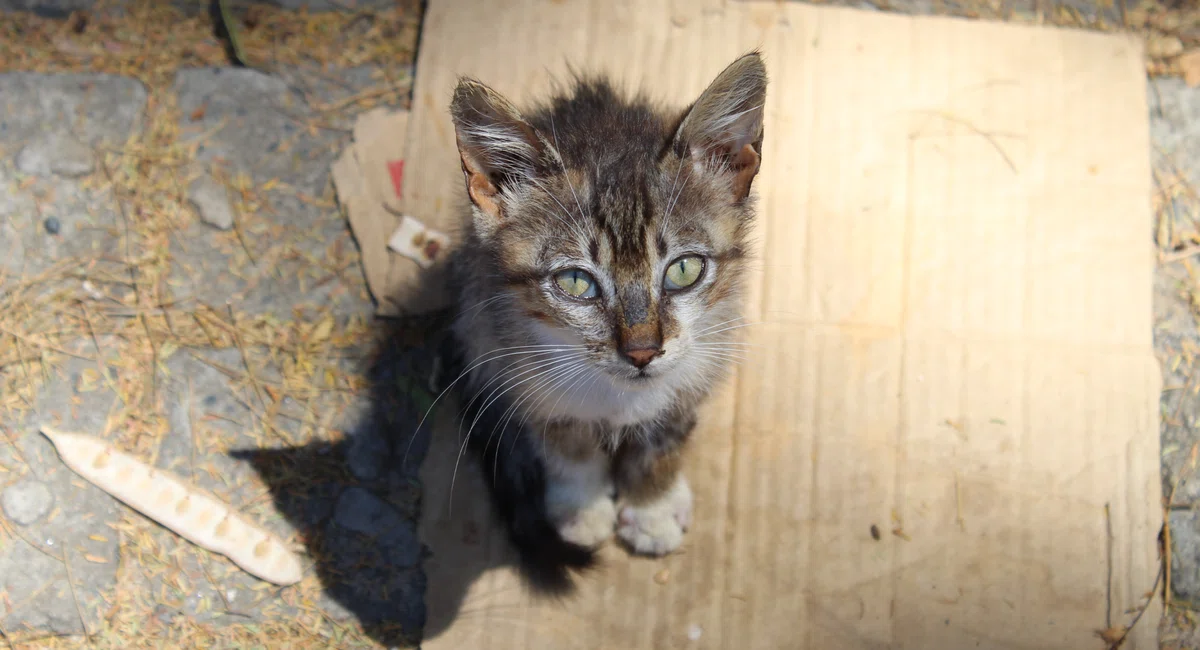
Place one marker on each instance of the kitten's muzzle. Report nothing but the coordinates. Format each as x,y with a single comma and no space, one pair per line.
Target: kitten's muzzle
641,357
640,343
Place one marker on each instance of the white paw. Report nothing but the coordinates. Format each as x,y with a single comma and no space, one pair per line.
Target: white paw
657,528
591,525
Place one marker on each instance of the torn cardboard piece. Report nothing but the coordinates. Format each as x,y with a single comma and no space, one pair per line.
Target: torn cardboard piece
369,176
952,345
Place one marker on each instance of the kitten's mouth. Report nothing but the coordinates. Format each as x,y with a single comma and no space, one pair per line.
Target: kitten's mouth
640,378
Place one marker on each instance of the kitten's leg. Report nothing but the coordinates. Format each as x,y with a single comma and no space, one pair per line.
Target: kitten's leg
579,496
656,500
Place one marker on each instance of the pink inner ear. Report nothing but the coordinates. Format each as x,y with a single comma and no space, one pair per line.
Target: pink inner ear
745,166
483,193
479,187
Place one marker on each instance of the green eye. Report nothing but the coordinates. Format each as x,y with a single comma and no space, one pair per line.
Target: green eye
576,283
683,272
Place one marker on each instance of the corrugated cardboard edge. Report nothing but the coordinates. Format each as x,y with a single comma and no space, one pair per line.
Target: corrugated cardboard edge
491,614
364,185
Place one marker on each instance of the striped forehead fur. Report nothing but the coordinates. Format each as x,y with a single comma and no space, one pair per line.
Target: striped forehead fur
619,186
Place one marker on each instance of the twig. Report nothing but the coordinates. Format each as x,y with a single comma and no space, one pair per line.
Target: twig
28,375
45,346
12,443
234,44
359,96
237,339
1120,641
1108,550
213,583
66,561
153,360
1179,255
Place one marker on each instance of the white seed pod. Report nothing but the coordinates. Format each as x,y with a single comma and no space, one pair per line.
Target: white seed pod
193,513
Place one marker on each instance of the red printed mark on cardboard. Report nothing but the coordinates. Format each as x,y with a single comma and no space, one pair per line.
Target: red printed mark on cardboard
396,169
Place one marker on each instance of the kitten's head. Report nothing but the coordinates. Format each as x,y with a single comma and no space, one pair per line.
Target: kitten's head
610,224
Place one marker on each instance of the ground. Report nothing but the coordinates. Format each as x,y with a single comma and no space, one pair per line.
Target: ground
176,276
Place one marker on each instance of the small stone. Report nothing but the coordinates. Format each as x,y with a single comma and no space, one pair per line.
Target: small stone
26,502
212,202
663,577
52,225
1185,554
56,153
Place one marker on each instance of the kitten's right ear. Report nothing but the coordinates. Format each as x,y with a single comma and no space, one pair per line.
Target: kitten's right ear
724,127
496,146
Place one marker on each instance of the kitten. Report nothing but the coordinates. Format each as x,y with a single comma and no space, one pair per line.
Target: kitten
599,290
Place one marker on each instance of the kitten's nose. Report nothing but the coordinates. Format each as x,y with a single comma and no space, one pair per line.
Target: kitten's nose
641,357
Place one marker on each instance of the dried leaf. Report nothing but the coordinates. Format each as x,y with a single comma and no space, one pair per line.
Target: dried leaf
167,349
322,330
198,114
1160,46
89,380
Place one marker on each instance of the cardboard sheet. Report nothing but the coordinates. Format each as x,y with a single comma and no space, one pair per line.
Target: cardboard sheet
953,348
370,181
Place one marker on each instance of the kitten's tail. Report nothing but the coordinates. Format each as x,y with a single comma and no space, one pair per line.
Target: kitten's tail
516,478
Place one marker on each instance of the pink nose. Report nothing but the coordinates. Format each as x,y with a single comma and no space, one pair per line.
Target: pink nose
641,357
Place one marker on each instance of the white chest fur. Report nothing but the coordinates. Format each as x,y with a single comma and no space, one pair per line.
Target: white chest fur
594,398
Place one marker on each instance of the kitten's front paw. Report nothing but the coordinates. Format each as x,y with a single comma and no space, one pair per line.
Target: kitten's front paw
591,525
657,528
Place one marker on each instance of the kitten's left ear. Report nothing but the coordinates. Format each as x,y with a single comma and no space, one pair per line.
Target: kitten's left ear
724,127
498,148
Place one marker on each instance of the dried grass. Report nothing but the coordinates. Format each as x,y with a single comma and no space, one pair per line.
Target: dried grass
128,321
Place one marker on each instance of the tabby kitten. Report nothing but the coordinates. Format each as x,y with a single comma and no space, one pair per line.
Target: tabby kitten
599,290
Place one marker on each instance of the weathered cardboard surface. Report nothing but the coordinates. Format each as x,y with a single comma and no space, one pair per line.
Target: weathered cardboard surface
954,339
374,202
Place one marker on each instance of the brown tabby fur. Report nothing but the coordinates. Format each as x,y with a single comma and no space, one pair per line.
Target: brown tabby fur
620,188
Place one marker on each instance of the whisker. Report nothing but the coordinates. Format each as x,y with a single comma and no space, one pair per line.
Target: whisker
728,345
562,374
546,378
555,407
493,396
722,360
479,305
554,134
727,329
508,351
724,322
663,225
